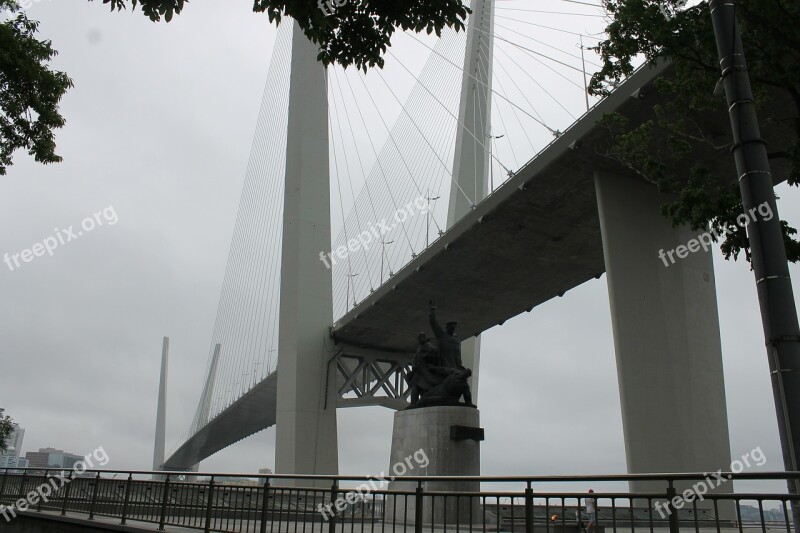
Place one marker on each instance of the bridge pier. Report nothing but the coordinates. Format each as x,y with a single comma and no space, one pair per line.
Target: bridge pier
306,436
472,159
666,335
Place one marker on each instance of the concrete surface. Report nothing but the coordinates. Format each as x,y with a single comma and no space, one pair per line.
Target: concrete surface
425,432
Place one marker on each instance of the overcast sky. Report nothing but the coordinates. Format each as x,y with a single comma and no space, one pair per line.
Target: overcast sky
159,128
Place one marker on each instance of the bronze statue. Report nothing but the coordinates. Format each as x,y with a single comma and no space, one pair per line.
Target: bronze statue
448,342
438,376
449,391
422,377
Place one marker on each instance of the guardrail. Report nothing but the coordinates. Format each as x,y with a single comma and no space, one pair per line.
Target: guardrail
325,504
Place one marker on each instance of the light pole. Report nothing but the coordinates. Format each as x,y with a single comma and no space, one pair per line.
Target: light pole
383,253
349,284
491,166
768,253
583,74
428,218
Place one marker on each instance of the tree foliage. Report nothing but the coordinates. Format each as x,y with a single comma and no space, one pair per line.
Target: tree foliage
348,32
6,427
29,90
657,149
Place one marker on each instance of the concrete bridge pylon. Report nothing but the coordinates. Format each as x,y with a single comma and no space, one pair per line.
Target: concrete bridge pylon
666,335
306,433
472,160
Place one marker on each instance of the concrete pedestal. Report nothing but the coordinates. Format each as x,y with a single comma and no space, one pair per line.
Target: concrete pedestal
423,444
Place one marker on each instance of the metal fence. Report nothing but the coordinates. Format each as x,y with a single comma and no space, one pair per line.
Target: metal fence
341,504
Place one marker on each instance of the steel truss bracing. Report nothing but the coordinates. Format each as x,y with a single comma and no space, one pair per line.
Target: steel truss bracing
371,377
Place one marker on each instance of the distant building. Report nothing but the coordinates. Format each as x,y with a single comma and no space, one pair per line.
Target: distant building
14,444
14,465
9,461
52,458
237,481
15,440
37,459
10,457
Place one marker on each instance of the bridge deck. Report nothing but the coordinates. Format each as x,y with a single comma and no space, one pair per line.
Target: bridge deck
248,415
536,237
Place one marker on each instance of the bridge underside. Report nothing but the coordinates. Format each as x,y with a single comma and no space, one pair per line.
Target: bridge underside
363,378
248,415
536,237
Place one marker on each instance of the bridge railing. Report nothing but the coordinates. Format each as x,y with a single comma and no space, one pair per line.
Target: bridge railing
342,504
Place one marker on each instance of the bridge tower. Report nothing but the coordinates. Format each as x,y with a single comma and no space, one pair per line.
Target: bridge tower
666,336
161,411
472,158
306,438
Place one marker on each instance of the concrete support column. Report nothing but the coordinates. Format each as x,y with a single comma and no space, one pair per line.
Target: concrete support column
666,335
161,411
306,440
472,158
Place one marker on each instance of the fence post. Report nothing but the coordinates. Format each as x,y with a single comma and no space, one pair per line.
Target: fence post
673,513
94,496
264,504
3,485
164,500
334,496
529,509
209,504
127,498
22,486
418,508
66,493
41,498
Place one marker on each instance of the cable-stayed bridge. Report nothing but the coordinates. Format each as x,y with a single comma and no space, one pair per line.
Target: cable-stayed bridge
442,205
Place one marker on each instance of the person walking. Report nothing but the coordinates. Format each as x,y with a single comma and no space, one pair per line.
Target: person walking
591,512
